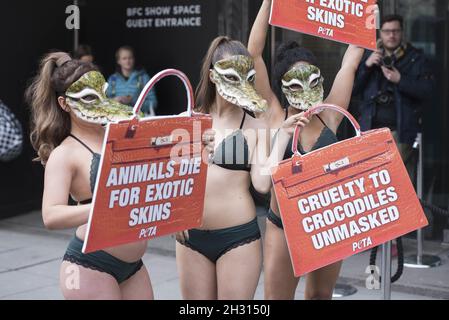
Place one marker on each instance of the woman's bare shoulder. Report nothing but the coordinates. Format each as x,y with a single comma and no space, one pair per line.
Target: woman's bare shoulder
64,155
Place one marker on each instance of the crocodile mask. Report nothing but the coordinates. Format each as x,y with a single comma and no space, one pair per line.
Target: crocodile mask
87,99
234,79
303,86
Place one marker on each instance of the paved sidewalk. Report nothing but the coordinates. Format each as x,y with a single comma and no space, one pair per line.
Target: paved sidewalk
30,257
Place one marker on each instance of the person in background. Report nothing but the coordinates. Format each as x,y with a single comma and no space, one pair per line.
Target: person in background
126,84
394,83
84,53
11,135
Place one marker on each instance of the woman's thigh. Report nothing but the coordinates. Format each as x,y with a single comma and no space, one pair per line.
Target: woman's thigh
138,287
238,272
197,274
321,283
279,279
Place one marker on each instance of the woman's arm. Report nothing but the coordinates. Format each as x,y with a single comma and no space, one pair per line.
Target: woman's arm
256,45
261,164
341,92
56,213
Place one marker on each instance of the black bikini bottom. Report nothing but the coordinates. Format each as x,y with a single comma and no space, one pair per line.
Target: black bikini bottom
275,219
213,244
101,261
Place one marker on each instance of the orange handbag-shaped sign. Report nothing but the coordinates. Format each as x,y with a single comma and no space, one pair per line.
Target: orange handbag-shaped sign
345,198
152,176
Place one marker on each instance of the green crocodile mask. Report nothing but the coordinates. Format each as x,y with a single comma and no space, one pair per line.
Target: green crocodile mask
234,79
303,86
87,99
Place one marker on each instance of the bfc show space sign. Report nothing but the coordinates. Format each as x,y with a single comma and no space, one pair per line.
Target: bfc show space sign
176,16
354,22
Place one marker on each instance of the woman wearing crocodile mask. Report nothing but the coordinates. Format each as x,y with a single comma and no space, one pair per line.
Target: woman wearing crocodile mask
297,85
69,111
223,259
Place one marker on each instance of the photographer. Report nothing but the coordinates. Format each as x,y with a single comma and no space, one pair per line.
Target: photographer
394,82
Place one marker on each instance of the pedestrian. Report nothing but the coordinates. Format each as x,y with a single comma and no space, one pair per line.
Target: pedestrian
11,135
84,53
394,83
127,83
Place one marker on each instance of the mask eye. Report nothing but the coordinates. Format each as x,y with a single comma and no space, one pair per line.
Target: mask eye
252,78
295,87
315,83
89,98
231,78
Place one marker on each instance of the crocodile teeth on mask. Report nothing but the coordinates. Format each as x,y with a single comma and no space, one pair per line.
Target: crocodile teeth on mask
231,76
102,109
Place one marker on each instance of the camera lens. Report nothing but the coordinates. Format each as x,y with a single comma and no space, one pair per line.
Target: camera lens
388,61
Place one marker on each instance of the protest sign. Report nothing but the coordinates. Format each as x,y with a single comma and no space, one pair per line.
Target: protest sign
152,176
347,21
345,198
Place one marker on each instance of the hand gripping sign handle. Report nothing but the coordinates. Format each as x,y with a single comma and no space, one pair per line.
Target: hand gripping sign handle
157,78
316,110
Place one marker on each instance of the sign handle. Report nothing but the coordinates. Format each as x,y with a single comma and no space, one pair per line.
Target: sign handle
318,109
157,78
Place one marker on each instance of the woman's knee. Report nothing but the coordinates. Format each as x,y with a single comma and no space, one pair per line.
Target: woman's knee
319,294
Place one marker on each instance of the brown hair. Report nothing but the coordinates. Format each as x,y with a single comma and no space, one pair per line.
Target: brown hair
220,48
50,123
82,51
391,18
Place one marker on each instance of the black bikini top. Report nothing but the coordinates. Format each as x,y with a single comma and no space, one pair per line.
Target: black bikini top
233,153
326,138
94,164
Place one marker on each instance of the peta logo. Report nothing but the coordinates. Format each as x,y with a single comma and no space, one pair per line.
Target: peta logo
73,20
362,244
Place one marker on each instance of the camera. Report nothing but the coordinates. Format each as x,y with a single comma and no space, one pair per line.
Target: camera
388,61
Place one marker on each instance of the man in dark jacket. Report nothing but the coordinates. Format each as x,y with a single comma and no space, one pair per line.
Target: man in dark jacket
394,83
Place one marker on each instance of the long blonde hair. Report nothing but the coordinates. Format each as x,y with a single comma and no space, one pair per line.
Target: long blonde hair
50,124
220,47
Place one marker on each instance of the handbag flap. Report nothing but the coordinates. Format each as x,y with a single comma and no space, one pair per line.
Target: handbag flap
157,153
152,142
142,146
375,148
